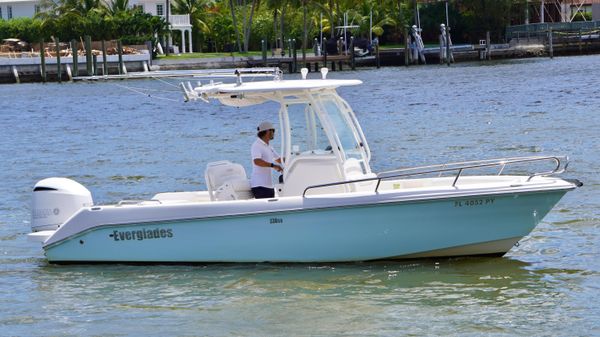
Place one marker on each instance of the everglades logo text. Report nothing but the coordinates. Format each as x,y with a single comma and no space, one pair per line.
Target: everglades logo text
142,234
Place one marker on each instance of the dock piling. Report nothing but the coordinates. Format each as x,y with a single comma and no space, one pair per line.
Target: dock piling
580,42
263,46
324,51
120,52
488,46
104,59
377,60
43,60
88,55
16,74
95,62
550,38
69,72
448,55
295,51
58,67
74,53
352,66
406,41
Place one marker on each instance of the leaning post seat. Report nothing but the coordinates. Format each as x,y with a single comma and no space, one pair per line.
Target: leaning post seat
227,181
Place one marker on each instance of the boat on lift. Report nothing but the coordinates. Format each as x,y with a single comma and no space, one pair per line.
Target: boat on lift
329,207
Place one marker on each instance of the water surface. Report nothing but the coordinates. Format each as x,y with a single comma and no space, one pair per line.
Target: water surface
123,145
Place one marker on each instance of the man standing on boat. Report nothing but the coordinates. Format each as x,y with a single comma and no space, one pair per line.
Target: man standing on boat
264,158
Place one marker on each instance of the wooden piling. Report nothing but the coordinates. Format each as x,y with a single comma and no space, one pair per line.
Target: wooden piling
43,60
377,60
74,52
295,55
352,66
580,42
488,46
88,55
120,52
95,62
263,47
290,64
105,59
550,40
324,51
406,51
304,42
58,67
16,74
69,72
448,57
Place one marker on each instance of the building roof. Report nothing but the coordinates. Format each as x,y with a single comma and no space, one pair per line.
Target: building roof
8,2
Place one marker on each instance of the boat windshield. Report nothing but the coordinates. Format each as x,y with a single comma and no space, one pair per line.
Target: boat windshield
344,130
306,132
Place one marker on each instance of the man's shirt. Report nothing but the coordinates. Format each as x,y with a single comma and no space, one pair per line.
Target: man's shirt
261,176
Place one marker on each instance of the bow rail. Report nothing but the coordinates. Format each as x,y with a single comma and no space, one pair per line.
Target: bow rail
560,165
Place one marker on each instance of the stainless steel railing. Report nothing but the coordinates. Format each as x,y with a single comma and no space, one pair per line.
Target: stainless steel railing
560,165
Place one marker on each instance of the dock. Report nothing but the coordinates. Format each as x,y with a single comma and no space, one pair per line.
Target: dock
41,68
62,61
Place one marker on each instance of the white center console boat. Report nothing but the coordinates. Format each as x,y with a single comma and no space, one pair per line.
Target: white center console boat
330,206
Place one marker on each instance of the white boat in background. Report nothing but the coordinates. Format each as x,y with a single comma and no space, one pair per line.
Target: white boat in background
330,207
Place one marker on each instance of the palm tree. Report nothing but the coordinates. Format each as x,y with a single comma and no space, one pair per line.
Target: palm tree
235,25
247,17
277,6
114,7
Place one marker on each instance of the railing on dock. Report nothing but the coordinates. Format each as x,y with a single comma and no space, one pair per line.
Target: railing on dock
560,165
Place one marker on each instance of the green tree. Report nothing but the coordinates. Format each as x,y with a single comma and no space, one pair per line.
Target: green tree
198,10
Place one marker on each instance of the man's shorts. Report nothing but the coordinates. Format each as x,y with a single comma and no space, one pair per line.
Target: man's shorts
263,192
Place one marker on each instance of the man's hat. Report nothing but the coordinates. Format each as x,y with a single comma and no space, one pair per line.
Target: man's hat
264,126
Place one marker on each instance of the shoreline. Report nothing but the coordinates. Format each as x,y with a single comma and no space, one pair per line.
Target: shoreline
29,70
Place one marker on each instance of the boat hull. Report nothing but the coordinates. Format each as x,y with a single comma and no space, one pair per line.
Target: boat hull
477,225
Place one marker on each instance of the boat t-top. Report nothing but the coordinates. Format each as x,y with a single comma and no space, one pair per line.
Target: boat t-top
329,207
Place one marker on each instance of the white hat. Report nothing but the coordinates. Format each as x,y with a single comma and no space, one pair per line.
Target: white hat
264,126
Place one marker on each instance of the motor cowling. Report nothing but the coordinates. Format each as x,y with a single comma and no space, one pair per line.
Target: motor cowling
55,200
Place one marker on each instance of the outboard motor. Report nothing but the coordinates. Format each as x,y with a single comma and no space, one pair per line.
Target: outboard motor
55,200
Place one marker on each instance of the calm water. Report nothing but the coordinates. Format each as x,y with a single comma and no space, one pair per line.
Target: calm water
124,145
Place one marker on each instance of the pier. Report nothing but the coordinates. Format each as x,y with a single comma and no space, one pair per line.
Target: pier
60,61
92,59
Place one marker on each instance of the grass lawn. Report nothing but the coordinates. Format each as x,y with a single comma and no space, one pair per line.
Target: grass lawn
257,53
207,55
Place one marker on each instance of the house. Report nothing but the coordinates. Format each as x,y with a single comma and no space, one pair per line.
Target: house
18,8
177,22
10,9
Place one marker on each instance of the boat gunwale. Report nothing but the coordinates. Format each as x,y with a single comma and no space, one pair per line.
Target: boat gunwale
296,210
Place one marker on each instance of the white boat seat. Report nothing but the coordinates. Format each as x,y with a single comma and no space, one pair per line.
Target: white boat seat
234,190
227,181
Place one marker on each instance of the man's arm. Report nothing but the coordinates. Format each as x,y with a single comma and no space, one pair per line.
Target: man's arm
262,163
